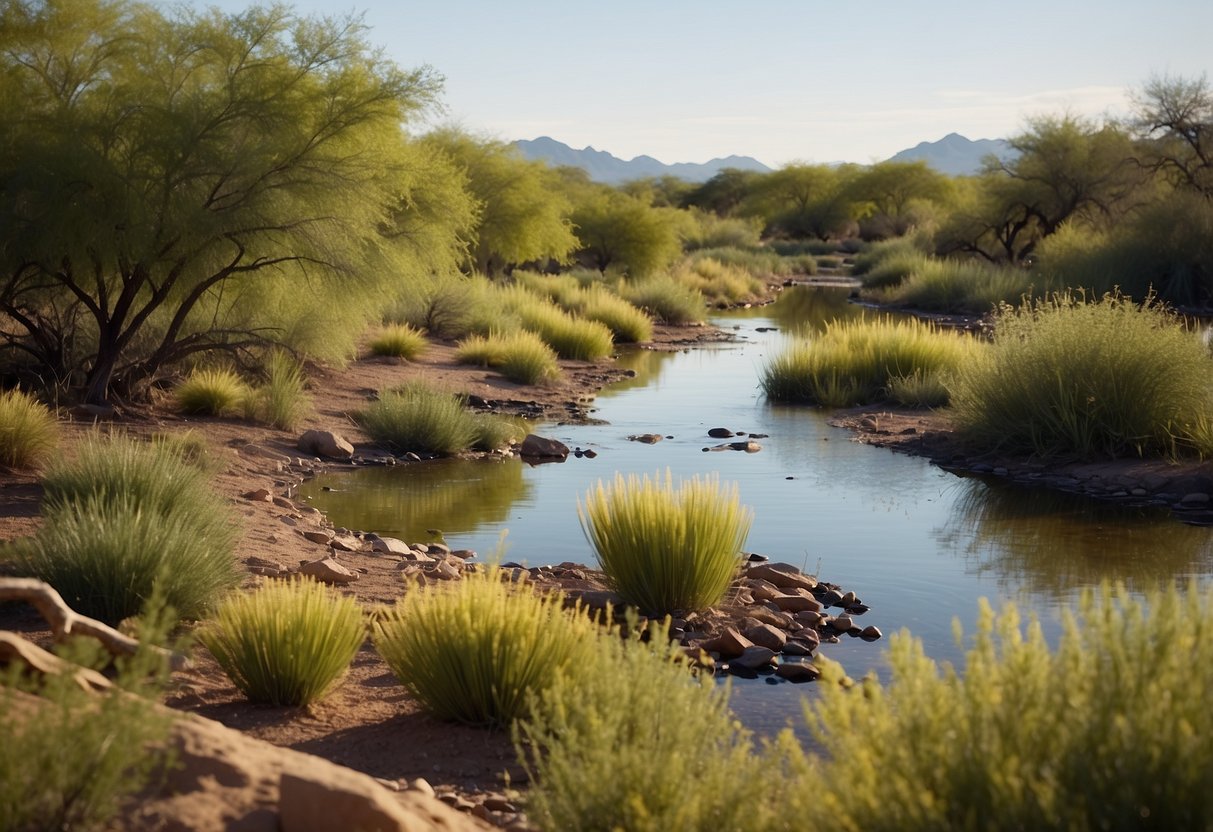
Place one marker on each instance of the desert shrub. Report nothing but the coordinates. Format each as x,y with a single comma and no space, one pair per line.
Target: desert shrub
1105,731
521,356
399,341
210,392
495,432
561,289
855,362
70,757
759,261
919,389
946,285
827,261
287,643
627,324
1065,376
190,447
578,339
623,751
415,417
665,299
450,306
711,231
29,433
282,402
476,650
893,268
797,248
667,549
719,283
108,555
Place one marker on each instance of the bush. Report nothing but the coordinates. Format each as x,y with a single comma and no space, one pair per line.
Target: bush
711,231
665,549
761,262
416,418
627,324
29,433
126,519
646,746
477,650
399,341
287,643
210,392
495,432
580,340
522,357
665,299
1069,377
859,362
969,286
1107,731
719,283
893,268
282,401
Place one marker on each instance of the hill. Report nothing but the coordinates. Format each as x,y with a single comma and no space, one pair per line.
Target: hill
954,154
604,167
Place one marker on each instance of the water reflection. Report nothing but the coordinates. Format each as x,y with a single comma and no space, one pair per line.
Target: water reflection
454,495
803,310
1045,543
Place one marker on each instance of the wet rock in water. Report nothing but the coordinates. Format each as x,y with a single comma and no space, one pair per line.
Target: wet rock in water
795,603
1195,499
325,443
328,571
870,633
720,433
797,648
849,598
831,598
754,657
800,670
843,623
765,635
754,557
728,643
589,453
538,447
646,438
782,575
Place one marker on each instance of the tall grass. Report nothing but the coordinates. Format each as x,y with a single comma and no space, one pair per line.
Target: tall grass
666,299
719,283
758,261
478,650
627,323
522,357
860,362
29,433
1108,730
644,746
578,339
284,400
399,341
211,392
418,418
1065,376
960,286
287,643
667,549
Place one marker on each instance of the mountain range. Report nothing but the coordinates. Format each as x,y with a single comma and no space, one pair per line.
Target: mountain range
953,154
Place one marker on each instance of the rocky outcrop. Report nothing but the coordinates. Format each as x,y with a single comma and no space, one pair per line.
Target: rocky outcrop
538,447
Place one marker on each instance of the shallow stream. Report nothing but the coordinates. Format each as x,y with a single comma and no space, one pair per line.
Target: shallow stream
920,546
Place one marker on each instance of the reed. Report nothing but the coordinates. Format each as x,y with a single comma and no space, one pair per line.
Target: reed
286,643
667,549
213,391
478,651
399,341
29,432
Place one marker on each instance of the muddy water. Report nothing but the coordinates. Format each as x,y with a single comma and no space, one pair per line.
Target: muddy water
917,544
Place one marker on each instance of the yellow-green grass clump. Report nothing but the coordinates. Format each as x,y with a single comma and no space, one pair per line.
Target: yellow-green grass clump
286,643
478,650
399,341
211,391
665,548
1106,731
665,299
282,401
579,339
644,746
719,283
29,432
859,362
945,285
415,417
1107,378
627,323
521,356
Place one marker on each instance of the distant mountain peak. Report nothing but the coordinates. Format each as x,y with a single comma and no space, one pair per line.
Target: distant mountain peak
605,167
955,154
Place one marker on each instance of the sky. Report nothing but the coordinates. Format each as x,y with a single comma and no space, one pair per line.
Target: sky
783,81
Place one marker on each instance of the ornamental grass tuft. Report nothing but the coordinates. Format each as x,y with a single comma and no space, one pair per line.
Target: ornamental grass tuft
667,549
415,417
1109,378
29,433
211,392
522,357
477,650
665,299
399,341
286,643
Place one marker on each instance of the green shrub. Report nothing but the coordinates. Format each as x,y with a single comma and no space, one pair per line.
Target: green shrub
282,402
477,650
969,286
580,340
646,746
761,262
495,432
893,268
665,549
210,392
399,341
190,447
417,418
665,299
712,231
719,283
522,357
856,362
627,324
287,643
919,389
1106,731
1069,377
70,757
29,433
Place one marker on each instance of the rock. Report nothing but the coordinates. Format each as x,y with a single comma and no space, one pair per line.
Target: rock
797,648
753,657
422,785
720,433
728,643
325,443
749,446
318,536
444,571
646,438
870,633
843,623
328,571
537,447
346,543
782,575
440,549
283,502
764,635
390,546
831,598
260,495
1198,499
796,603
797,671
596,599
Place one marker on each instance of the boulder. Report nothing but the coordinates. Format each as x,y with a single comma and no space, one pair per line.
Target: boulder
646,438
795,603
782,575
537,447
764,635
728,643
328,571
390,546
325,443
720,433
797,671
754,658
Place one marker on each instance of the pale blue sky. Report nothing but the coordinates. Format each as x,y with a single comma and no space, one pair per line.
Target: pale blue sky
780,81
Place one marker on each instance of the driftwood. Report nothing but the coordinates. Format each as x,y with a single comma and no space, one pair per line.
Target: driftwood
64,621
14,648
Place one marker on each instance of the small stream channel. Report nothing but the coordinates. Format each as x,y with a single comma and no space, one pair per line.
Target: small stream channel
917,544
